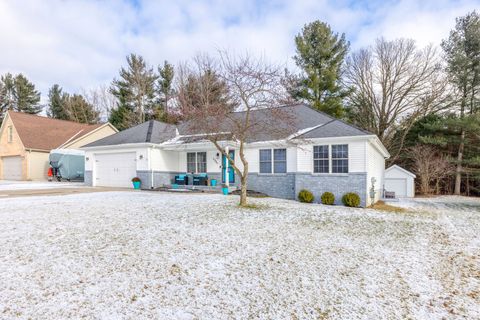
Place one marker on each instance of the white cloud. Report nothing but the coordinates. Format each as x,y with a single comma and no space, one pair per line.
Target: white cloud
82,44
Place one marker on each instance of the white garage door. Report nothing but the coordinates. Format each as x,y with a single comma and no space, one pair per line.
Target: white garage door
12,168
399,186
115,169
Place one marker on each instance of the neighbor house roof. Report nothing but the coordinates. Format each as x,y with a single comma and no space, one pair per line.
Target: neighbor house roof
42,133
303,122
405,171
148,132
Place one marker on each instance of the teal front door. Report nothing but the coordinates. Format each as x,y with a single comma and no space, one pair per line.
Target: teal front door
227,169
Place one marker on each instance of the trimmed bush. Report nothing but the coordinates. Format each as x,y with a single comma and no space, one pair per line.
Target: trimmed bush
328,198
351,199
305,196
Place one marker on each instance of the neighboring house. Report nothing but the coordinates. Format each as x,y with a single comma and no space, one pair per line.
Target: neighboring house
400,181
326,154
26,140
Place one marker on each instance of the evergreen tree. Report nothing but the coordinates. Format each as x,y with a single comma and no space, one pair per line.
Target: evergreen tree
80,110
18,93
57,103
320,54
165,91
135,91
27,98
462,51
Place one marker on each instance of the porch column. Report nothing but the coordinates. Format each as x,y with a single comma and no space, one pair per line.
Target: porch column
226,164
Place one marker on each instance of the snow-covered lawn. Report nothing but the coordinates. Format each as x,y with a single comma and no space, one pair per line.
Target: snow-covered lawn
135,255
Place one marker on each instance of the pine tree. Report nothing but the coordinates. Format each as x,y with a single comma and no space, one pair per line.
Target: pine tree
165,91
80,110
320,54
135,91
57,107
18,93
462,50
27,98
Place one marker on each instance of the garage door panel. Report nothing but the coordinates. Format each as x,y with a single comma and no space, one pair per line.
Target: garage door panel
399,186
115,169
12,168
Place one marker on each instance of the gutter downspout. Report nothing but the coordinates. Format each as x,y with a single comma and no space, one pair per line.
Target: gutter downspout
151,167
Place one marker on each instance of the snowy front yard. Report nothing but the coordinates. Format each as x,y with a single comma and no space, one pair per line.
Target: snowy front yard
137,255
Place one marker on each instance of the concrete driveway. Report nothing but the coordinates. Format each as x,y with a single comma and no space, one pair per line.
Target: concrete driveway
9,189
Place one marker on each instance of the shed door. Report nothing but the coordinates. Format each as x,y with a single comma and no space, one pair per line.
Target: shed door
399,186
115,169
12,168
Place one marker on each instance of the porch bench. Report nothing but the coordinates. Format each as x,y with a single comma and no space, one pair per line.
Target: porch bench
200,179
181,179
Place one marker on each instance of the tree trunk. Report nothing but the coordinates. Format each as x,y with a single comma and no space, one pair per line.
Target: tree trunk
243,194
458,171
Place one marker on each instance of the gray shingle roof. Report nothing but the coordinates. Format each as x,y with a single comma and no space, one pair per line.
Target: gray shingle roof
151,131
313,123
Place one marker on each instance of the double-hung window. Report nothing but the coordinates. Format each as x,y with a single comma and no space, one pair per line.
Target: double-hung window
197,162
336,162
340,158
273,161
320,159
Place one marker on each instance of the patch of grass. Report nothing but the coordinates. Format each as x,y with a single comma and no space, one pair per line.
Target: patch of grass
254,206
382,206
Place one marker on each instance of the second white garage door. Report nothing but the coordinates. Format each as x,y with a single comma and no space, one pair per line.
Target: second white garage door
12,168
115,169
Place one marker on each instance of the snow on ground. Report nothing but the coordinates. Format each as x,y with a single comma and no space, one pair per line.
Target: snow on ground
135,255
6,185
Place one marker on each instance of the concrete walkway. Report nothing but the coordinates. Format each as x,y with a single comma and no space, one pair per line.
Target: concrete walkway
10,189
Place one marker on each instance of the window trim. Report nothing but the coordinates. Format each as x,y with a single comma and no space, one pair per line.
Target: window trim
272,161
196,162
330,160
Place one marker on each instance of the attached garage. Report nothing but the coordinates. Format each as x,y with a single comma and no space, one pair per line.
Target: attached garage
115,169
400,181
12,168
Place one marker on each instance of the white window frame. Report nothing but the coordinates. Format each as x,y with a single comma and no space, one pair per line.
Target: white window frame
196,162
330,159
272,161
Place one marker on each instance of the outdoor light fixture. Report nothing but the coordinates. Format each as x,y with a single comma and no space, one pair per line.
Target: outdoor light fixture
141,157
87,158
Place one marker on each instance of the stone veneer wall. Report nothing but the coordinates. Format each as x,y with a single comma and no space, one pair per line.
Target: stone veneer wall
274,185
338,184
88,178
161,179
288,185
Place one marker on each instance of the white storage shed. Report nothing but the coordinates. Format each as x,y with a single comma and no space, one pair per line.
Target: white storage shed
400,181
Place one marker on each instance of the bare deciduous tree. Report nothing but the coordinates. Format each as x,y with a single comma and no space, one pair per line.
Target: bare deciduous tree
394,84
102,100
252,85
430,167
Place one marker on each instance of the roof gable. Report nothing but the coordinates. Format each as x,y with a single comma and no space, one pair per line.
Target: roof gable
44,133
398,168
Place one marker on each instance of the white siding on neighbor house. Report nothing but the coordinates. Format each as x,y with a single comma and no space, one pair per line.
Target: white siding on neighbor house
376,169
356,155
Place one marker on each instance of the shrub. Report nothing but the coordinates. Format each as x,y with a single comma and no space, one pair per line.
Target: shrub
305,196
328,198
136,179
351,199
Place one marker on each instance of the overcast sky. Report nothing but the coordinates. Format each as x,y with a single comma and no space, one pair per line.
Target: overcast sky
82,44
